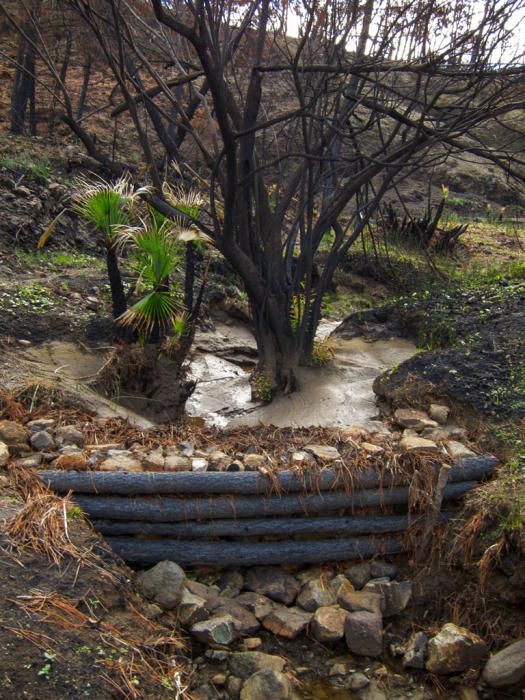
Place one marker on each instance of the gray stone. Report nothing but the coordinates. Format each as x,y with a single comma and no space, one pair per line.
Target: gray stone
338,581
267,684
121,463
315,594
163,584
364,633
231,580
457,450
287,622
355,601
42,440
4,454
256,603
201,589
154,459
411,418
40,424
30,462
328,624
372,692
396,594
506,667
380,569
416,651
69,435
176,463
233,686
416,444
273,582
198,464
454,650
439,413
191,608
186,448
324,453
218,629
357,681
246,624
372,449
244,664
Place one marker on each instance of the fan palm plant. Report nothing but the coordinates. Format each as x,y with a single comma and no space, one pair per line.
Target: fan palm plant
108,207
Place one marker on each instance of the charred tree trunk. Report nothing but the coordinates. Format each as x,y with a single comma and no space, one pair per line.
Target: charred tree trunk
118,296
85,85
23,90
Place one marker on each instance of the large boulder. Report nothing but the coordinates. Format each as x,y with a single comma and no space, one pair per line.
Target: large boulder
273,582
454,650
163,584
506,667
364,633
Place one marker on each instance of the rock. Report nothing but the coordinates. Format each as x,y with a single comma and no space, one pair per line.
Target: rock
40,424
416,651
219,629
72,462
465,693
267,684
357,681
339,584
186,448
325,453
12,433
246,624
379,568
198,464
153,611
506,667
328,624
176,463
34,460
355,601
300,457
457,450
252,643
273,582
354,432
439,413
396,595
121,463
415,444
411,418
42,440
163,584
257,604
372,449
201,589
358,575
435,434
244,664
287,622
233,687
254,460
219,679
315,594
69,435
364,633
191,608
4,454
231,583
153,460
454,650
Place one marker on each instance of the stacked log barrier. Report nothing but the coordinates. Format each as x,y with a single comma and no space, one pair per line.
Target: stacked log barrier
182,509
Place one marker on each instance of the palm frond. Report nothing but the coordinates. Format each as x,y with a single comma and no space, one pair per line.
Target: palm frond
158,309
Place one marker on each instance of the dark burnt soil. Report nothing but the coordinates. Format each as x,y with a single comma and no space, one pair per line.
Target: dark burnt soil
49,650
472,347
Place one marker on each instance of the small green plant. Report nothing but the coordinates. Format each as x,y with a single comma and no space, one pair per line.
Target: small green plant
261,387
83,650
32,168
31,297
322,352
45,671
74,513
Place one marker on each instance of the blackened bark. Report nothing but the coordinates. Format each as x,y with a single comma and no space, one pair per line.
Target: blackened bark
118,296
85,85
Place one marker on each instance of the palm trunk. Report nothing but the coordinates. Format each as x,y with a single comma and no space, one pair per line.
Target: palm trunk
118,297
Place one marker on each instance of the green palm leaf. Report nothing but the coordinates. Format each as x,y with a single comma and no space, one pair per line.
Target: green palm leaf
158,309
